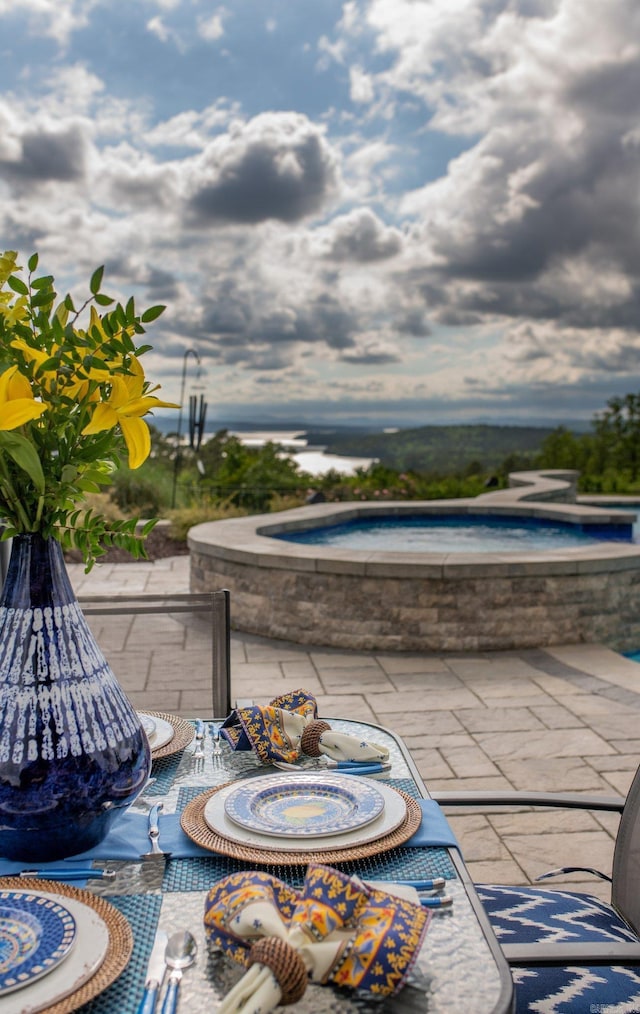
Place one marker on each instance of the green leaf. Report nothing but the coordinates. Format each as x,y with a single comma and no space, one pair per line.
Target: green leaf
45,282
32,263
17,285
43,298
152,313
96,280
68,302
25,457
103,300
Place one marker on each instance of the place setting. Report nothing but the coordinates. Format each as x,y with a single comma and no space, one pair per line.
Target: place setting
60,946
167,734
298,815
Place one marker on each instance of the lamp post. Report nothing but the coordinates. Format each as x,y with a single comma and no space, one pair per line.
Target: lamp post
176,464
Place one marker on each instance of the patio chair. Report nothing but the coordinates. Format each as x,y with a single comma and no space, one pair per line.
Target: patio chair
216,604
569,951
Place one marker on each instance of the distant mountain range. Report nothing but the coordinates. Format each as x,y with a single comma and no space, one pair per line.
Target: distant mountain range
428,449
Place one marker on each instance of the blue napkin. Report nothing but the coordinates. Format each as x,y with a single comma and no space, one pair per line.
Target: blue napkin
127,839
434,829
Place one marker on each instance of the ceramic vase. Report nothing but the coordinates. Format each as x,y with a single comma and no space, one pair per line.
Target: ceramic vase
72,751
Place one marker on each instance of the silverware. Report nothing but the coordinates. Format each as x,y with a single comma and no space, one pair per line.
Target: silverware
215,735
154,835
434,884
440,901
344,768
155,974
77,873
198,753
180,953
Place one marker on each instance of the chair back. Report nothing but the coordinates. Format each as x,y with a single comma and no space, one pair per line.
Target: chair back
216,604
625,887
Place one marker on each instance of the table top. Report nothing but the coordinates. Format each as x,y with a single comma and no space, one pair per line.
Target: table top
460,965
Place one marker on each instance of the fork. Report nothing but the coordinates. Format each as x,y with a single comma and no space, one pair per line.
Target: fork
198,753
215,735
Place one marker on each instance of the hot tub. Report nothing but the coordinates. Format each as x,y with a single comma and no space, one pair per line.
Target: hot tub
374,600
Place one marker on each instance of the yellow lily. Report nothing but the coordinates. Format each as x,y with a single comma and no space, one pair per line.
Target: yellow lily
8,265
74,386
126,403
17,404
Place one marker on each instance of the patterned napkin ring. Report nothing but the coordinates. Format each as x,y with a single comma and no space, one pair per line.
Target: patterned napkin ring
311,735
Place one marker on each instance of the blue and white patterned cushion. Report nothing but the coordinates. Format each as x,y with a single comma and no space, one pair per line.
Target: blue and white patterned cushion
527,914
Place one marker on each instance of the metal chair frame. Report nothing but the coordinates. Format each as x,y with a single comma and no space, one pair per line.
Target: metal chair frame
216,603
625,880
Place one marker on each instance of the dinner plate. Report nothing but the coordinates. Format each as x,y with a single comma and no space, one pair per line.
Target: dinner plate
36,934
83,961
163,731
392,815
306,806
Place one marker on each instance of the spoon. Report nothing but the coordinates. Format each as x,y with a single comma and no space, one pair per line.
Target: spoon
180,953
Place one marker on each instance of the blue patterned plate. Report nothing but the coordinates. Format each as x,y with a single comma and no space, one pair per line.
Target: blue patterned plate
304,806
36,934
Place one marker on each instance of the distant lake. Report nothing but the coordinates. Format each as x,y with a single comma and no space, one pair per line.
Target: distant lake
312,460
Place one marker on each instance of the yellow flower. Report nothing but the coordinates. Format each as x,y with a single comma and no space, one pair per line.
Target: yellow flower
124,407
17,404
8,265
14,314
74,386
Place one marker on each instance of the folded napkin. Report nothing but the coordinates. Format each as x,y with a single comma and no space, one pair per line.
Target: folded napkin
334,929
288,728
127,839
434,828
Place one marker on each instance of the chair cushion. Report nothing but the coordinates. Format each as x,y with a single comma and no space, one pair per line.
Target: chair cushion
527,914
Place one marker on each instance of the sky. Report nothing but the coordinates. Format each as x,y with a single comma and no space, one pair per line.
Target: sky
399,212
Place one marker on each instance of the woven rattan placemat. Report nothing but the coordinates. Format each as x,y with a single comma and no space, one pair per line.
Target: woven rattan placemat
118,951
183,733
195,826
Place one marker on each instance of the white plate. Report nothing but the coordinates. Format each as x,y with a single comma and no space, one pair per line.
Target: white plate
149,726
307,805
395,811
84,961
164,731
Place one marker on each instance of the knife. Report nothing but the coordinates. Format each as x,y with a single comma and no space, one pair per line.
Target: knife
76,873
155,973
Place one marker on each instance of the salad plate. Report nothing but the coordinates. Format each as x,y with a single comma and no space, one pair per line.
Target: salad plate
216,820
36,934
80,965
306,806
149,725
162,731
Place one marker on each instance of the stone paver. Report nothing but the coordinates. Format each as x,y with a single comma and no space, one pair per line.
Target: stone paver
562,718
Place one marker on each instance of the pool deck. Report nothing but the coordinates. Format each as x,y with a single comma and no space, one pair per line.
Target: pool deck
558,718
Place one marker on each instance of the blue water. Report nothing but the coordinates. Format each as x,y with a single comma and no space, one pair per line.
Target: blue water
463,533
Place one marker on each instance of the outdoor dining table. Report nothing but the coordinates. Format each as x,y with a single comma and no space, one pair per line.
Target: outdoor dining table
460,966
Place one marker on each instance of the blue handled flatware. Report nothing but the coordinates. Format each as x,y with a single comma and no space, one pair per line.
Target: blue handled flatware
434,884
437,901
155,974
75,873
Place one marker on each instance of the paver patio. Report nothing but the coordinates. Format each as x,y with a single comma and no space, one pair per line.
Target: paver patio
564,718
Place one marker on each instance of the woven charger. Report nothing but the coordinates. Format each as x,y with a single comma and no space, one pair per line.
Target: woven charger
195,826
120,939
183,733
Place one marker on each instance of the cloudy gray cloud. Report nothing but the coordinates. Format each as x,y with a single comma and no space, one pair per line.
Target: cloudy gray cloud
361,236
276,166
319,236
47,155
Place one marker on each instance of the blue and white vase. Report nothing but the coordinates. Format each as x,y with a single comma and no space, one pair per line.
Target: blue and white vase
72,751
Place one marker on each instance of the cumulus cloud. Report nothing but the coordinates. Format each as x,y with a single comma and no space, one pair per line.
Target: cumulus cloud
46,156
275,166
361,237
